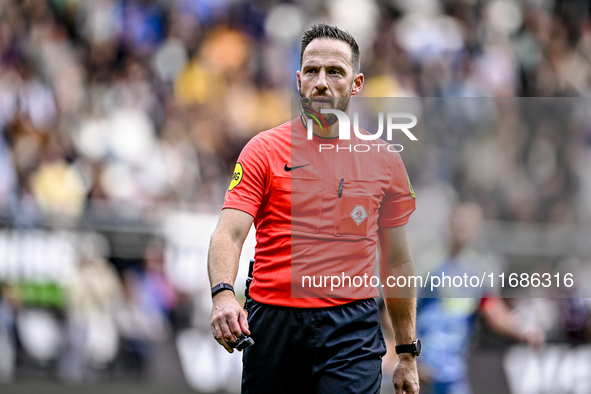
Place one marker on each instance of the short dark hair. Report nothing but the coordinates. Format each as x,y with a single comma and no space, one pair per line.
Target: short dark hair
322,30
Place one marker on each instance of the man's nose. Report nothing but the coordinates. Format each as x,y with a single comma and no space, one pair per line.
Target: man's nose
321,82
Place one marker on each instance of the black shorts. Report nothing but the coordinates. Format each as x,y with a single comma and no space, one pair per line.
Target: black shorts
325,350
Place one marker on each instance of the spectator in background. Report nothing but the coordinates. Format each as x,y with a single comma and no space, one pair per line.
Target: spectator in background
156,289
144,316
446,318
94,295
10,302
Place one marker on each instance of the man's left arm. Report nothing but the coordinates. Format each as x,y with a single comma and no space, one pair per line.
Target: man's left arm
396,260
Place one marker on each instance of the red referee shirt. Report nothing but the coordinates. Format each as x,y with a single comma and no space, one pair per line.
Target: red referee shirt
316,212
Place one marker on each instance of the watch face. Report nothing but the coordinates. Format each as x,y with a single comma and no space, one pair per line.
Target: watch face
418,347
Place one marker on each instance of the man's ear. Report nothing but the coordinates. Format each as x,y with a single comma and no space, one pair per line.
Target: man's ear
299,81
357,84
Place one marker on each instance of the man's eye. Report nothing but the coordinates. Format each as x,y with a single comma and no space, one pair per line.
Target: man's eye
335,72
311,71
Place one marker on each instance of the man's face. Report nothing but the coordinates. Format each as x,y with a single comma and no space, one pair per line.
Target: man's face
327,76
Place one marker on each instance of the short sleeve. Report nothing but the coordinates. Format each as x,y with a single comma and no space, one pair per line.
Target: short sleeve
249,179
399,201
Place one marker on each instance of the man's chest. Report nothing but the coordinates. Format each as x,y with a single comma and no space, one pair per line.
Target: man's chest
331,192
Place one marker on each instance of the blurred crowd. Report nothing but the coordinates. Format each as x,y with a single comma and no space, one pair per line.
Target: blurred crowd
144,102
133,107
100,320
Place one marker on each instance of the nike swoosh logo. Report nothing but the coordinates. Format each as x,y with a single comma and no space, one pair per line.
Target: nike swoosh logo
286,168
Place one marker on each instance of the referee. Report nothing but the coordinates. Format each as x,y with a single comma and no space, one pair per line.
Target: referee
318,213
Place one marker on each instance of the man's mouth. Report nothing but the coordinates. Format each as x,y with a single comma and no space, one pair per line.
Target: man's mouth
321,100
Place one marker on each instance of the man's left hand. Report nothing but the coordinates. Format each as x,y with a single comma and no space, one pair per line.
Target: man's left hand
405,376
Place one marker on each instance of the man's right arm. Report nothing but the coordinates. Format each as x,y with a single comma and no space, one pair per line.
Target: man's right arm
502,320
228,319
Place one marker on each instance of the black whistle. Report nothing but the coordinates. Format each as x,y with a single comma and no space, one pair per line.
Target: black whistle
242,342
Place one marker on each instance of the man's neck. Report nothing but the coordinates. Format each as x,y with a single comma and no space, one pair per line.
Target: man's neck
331,132
323,132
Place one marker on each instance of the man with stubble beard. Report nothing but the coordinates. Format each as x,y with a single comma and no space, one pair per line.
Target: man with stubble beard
317,213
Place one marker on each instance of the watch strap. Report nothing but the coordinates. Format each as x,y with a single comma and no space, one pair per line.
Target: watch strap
405,348
415,348
221,287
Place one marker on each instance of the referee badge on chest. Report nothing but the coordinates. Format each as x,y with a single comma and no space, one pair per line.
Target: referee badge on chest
356,208
358,214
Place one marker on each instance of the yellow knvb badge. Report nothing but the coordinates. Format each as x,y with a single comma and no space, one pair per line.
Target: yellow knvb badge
410,189
236,176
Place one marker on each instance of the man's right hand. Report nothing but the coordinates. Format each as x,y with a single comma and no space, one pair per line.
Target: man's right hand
228,319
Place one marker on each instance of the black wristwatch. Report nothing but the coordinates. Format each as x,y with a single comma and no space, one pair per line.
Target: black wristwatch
414,348
221,287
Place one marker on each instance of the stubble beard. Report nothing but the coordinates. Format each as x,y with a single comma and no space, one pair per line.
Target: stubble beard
339,103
